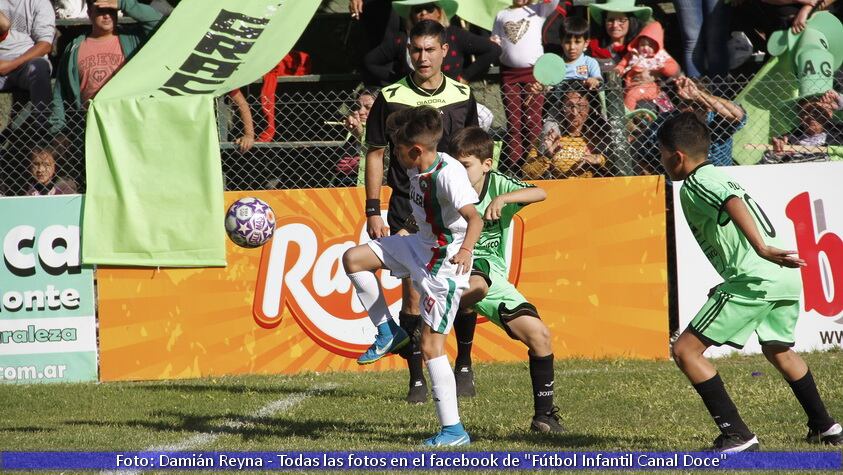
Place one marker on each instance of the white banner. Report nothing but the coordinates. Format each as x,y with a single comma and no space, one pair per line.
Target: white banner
804,202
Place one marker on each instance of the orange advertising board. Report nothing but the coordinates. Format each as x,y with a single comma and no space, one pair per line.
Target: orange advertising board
591,258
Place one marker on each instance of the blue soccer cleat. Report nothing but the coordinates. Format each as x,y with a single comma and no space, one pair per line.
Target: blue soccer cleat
385,344
451,436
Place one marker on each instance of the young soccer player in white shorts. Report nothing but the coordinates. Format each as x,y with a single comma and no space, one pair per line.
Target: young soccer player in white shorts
438,258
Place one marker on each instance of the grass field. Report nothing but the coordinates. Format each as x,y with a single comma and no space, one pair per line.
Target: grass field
606,405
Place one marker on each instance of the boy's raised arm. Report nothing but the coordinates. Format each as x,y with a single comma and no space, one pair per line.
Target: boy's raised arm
523,196
737,210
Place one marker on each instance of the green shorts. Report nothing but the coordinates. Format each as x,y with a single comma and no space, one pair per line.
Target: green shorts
503,303
728,319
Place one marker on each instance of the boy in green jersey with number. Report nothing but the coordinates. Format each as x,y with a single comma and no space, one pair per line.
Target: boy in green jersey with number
489,292
760,289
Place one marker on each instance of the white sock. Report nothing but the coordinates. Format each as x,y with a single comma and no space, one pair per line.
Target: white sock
444,388
370,293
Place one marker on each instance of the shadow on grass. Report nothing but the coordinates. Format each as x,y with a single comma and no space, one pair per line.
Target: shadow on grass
573,440
199,388
29,429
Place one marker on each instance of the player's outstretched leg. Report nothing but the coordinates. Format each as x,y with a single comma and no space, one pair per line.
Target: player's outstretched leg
360,263
822,428
530,330
734,436
444,391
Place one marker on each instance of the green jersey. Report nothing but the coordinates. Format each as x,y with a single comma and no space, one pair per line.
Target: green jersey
703,196
492,242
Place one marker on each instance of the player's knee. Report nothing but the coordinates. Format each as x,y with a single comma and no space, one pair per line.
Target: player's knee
431,349
349,262
682,353
538,340
473,295
776,353
543,335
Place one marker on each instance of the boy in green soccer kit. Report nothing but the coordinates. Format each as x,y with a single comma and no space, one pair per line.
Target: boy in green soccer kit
489,292
759,294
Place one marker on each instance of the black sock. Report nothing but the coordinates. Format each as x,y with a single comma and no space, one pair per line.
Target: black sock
412,352
464,330
541,375
414,364
412,325
806,392
721,407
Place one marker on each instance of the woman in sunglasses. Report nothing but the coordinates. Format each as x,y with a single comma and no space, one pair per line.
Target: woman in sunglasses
390,61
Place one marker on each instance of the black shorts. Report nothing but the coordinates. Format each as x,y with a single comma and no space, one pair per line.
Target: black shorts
398,212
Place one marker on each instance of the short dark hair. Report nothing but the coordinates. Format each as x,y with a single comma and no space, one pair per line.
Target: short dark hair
429,28
419,125
574,27
687,133
472,141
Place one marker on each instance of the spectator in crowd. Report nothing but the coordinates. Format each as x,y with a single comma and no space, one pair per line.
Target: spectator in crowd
247,140
351,169
66,9
90,61
518,29
390,61
705,27
551,31
616,23
817,130
578,66
45,179
722,116
645,63
793,14
378,20
23,54
572,146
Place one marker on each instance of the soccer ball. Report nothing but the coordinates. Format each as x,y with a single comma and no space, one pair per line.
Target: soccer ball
249,222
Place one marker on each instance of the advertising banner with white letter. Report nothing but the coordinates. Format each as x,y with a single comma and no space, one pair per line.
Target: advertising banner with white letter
804,204
47,326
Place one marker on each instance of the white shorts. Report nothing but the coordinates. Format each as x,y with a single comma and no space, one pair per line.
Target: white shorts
440,294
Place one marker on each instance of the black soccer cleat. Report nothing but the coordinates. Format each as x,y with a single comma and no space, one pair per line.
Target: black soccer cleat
832,436
547,423
418,392
464,376
731,443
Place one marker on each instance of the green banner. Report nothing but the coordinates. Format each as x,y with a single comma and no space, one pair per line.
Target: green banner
769,103
155,185
47,324
154,195
482,12
212,47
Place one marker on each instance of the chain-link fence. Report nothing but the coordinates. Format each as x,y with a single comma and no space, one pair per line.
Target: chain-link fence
310,139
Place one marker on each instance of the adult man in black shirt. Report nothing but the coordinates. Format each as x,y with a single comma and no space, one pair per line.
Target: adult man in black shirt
426,86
